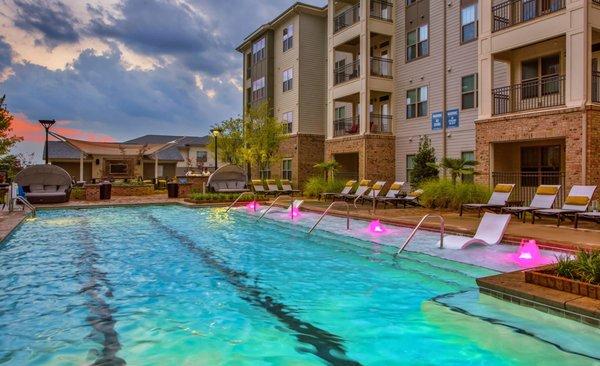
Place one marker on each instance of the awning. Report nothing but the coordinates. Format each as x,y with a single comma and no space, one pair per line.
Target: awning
114,148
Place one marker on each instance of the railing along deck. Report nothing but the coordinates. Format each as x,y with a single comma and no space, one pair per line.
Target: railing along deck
381,9
382,67
544,92
346,126
596,84
513,12
380,123
347,72
346,18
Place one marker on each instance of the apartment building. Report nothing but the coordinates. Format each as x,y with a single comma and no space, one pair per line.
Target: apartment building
360,83
285,66
542,124
435,79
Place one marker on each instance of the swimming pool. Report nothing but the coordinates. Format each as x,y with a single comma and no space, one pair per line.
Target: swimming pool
174,285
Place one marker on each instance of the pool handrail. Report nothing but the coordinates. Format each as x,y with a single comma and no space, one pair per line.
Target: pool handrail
412,234
273,203
240,196
26,204
327,210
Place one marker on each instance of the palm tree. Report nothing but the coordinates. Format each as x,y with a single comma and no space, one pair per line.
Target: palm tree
329,168
456,167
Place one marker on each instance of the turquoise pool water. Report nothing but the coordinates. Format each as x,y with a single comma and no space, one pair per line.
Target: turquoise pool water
168,285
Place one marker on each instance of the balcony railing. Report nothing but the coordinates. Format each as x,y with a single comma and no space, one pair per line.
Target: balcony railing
596,85
380,123
596,2
526,184
346,18
512,12
347,72
381,67
346,126
382,10
544,92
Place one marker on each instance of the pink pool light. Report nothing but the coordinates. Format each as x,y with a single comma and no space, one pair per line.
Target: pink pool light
375,227
295,212
253,206
528,254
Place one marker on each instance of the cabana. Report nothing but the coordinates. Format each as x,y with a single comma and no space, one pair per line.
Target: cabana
228,179
45,183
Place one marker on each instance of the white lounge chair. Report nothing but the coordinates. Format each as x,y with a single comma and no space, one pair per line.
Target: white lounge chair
347,189
497,200
392,194
577,201
545,196
374,192
490,232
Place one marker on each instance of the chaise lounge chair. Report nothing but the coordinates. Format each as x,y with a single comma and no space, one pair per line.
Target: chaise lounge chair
412,199
347,189
363,187
287,187
577,201
374,192
273,188
490,232
497,200
544,197
391,195
258,187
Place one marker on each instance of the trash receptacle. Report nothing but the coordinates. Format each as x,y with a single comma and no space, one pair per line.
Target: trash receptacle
173,189
105,190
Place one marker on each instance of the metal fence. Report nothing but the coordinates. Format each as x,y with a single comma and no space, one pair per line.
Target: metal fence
596,84
346,126
526,184
548,91
381,10
382,67
380,123
346,18
347,72
512,12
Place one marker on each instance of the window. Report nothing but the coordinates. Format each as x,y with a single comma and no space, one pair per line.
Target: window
118,168
258,89
288,79
201,156
417,43
416,102
410,2
248,66
467,156
286,169
410,164
288,37
265,172
258,50
469,91
287,119
468,23
540,75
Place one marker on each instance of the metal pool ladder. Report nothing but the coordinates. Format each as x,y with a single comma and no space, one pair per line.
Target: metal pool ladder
26,204
240,196
327,210
273,203
412,234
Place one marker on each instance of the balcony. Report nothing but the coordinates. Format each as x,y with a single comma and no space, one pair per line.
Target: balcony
513,12
382,10
346,18
596,85
548,91
381,67
347,72
346,126
380,123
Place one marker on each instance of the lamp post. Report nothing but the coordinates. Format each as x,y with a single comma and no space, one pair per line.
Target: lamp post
47,123
215,132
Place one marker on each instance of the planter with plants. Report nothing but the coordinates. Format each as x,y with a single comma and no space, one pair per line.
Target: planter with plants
579,275
218,197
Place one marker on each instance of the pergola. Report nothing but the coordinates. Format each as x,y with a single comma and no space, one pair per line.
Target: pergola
125,150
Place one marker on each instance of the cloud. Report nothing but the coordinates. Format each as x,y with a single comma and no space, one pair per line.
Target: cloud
33,131
53,20
5,54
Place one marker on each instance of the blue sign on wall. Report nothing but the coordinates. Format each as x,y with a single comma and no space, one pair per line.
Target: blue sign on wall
452,118
437,120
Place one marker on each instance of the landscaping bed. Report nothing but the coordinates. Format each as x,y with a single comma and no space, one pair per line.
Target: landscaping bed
217,197
578,276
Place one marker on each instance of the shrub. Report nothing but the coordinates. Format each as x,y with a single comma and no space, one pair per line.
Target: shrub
219,197
78,193
317,185
444,194
585,267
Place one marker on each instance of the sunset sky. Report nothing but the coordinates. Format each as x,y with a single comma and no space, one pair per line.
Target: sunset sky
118,69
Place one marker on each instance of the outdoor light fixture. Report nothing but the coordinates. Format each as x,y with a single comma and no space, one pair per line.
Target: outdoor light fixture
375,227
528,253
216,132
47,123
253,206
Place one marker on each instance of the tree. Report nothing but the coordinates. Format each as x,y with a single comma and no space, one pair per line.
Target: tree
329,169
422,170
230,141
262,136
12,164
456,167
7,139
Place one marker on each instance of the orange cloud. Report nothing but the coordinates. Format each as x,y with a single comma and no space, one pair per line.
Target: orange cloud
34,132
